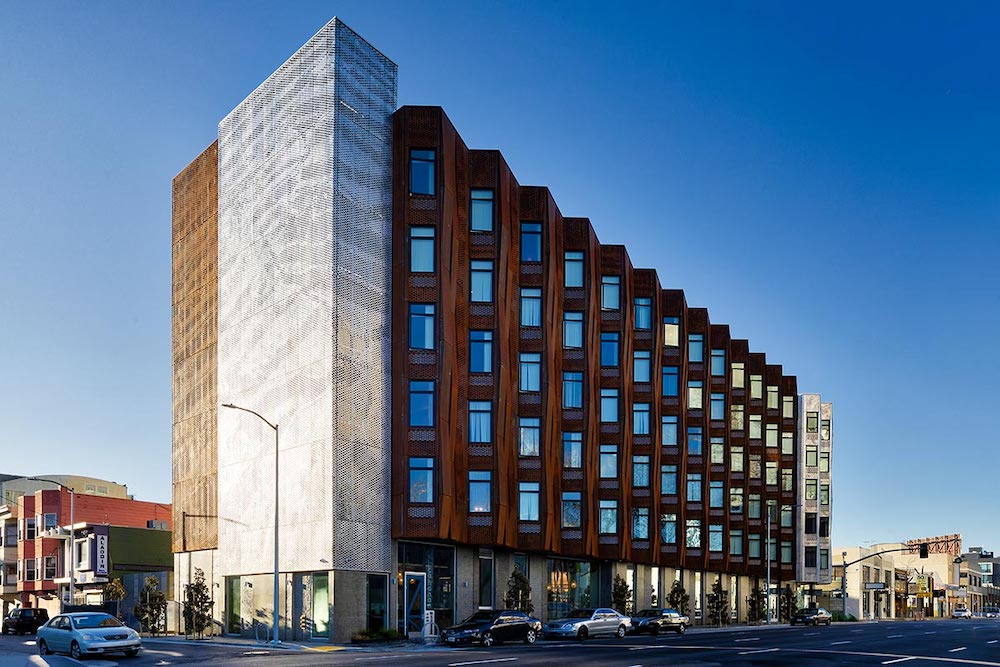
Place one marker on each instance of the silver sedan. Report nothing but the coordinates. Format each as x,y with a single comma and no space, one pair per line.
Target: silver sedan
87,633
583,623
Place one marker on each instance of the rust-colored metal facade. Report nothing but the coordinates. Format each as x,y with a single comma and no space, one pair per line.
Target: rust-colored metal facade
448,519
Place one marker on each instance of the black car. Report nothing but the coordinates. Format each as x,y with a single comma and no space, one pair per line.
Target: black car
24,619
812,616
492,627
655,621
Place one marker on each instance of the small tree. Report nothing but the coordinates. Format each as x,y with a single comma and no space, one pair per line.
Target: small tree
114,590
519,592
621,595
678,598
756,606
197,605
718,605
788,605
152,607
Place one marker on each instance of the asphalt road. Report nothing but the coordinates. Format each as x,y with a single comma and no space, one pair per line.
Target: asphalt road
944,642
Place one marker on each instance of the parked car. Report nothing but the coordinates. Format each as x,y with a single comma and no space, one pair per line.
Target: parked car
812,616
583,623
654,621
991,612
961,612
492,627
87,633
24,619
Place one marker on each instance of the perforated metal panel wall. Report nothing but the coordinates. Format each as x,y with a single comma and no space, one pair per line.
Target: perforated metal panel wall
304,230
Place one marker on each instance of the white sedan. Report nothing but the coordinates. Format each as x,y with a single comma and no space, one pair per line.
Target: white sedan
87,633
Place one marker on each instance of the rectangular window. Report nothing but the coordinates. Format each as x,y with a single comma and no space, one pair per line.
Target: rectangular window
696,351
421,326
531,307
786,516
609,349
810,525
608,517
735,542
717,450
643,314
694,487
788,407
694,441
824,559
824,429
716,494
755,467
610,288
421,403
668,528
811,487
528,501
640,419
50,568
529,434
718,363
771,473
486,587
668,480
695,399
811,457
531,242
609,462
422,249
641,365
571,509
481,211
572,389
810,557
738,378
786,479
754,506
736,417
692,536
480,490
530,371
824,461
422,172
771,435
671,385
736,462
787,442
715,537
671,332
480,351
640,472
755,422
812,422
640,523
786,552
754,550
574,268
756,386
824,526
824,494
609,405
717,409
736,500
668,431
572,449
50,521
481,279
29,569
421,480
573,330
772,397
480,422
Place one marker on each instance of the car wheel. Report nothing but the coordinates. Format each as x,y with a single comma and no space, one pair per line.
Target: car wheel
828,622
620,633
74,650
132,652
681,629
488,640
43,648
582,633
530,636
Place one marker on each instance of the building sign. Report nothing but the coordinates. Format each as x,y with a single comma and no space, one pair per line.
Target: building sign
101,564
874,586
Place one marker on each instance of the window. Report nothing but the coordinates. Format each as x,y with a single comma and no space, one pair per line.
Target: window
50,567
810,557
571,509
530,371
824,526
716,494
50,521
482,280
574,268
755,421
608,517
696,344
772,397
718,363
718,406
421,480
480,422
609,405
29,569
529,434
771,473
786,479
668,431
753,506
786,552
668,528
422,249
421,403
643,314
480,351
738,380
788,407
824,494
640,472
824,461
531,242
694,487
572,389
824,429
754,550
573,330
715,537
787,442
812,422
694,441
717,450
786,516
479,490
640,523
528,501
824,559
609,462
736,458
486,588
811,457
422,172
692,536
481,211
755,468
811,486
531,307
774,550
736,417
572,449
640,418
695,401
610,288
736,501
771,435
756,386
671,332
668,480
641,366
421,326
735,542
810,524
671,385
609,348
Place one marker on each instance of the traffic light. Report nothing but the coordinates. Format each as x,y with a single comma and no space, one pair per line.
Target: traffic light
923,550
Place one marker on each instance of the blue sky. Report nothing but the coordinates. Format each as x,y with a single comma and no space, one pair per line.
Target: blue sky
825,183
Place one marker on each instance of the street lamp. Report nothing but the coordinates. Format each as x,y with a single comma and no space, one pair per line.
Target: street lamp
274,641
72,533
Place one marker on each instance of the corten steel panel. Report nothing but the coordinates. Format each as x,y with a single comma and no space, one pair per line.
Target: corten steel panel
194,333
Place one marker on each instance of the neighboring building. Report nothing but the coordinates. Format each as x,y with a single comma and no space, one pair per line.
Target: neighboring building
815,511
516,394
978,573
938,572
871,583
13,486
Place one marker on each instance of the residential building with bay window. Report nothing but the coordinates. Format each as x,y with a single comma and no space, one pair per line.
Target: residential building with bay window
465,380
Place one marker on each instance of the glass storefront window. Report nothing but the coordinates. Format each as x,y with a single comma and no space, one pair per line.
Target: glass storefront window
438,564
567,587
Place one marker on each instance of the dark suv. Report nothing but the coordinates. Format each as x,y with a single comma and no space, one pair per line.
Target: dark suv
23,620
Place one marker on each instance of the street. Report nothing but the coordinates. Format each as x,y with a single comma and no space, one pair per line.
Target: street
972,642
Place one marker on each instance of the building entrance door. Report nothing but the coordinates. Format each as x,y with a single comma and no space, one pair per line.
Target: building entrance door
233,603
415,592
321,605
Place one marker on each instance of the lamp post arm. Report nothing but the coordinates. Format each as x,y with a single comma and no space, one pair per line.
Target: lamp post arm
258,415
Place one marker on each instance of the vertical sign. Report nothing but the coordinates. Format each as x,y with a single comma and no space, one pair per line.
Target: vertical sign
101,565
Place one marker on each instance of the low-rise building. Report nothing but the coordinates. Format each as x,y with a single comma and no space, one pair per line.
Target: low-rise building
868,591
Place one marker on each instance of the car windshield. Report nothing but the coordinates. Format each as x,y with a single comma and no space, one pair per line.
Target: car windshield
481,616
805,612
580,613
95,621
649,612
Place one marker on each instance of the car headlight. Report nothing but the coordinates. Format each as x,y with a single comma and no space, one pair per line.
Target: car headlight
90,638
132,634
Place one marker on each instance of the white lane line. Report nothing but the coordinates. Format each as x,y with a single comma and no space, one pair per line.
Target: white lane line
931,633
480,662
838,643
760,650
956,650
856,631
893,636
810,634
750,639
993,642
892,662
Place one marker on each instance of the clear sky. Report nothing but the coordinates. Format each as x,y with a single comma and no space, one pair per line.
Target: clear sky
824,182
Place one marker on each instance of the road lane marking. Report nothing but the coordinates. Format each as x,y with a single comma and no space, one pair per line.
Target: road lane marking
892,662
931,633
838,643
993,642
893,636
956,650
810,634
480,662
749,639
760,650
